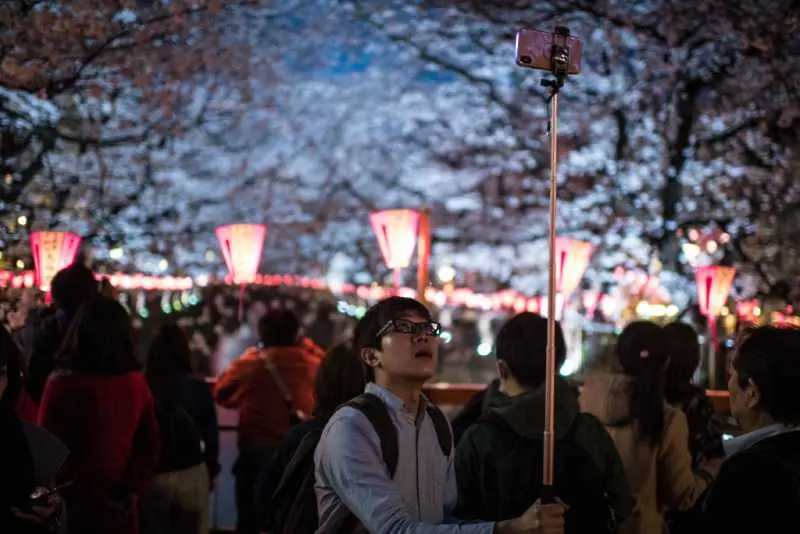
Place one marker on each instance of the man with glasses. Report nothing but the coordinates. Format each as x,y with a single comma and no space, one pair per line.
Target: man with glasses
397,340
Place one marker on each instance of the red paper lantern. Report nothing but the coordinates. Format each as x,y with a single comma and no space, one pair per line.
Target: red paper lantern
713,287
572,258
52,251
241,246
396,231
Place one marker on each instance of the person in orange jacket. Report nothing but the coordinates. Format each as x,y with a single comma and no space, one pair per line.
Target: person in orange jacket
272,387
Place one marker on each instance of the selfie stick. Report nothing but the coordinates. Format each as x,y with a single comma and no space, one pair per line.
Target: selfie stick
559,67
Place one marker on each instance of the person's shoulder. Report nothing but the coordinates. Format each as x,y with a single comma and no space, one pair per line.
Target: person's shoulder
587,427
673,415
487,433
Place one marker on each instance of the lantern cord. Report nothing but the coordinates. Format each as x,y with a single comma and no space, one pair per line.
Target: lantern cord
242,289
713,339
560,66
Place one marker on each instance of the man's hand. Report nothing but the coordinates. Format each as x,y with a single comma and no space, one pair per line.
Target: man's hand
538,519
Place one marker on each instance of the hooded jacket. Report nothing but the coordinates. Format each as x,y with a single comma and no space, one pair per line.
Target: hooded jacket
498,461
660,475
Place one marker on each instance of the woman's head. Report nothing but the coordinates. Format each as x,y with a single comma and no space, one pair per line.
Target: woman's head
684,357
641,351
340,378
10,369
169,353
100,340
764,374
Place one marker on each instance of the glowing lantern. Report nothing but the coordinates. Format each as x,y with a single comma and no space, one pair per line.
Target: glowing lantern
241,246
52,251
713,287
572,258
396,231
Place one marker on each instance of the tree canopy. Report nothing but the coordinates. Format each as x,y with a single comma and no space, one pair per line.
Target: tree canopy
145,124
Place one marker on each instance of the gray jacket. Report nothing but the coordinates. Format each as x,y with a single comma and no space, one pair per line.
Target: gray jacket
351,475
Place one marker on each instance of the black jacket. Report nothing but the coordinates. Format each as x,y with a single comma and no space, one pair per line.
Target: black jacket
498,461
758,489
473,410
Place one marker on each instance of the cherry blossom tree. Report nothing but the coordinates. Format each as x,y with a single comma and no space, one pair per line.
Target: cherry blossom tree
673,121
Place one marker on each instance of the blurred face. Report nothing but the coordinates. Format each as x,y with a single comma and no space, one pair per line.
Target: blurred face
409,349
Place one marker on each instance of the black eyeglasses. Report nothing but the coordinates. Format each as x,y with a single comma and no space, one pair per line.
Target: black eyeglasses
404,326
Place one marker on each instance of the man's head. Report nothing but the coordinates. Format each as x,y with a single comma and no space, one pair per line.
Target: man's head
764,374
72,285
521,350
396,339
278,328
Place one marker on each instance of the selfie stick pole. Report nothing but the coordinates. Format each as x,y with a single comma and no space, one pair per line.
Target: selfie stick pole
560,66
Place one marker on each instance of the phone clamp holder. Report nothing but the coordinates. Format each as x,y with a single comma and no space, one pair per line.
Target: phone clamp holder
559,60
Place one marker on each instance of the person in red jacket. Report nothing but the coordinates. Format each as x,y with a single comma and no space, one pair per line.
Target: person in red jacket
271,386
99,404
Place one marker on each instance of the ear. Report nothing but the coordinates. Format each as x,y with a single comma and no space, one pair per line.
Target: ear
370,357
502,370
752,395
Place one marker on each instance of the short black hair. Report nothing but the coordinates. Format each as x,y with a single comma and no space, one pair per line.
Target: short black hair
522,344
72,285
684,357
770,357
366,331
278,328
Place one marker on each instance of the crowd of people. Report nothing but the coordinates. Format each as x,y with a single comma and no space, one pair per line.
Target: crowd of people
344,441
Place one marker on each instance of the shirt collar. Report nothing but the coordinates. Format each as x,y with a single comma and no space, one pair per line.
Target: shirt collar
393,401
745,441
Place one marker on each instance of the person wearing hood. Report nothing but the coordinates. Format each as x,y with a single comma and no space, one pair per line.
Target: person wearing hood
652,437
499,459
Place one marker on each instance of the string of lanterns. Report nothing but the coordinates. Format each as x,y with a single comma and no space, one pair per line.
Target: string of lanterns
398,232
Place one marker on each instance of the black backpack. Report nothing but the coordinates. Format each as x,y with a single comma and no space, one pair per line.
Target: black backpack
294,501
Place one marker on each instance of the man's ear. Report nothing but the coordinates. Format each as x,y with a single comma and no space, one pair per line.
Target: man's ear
752,394
369,356
502,370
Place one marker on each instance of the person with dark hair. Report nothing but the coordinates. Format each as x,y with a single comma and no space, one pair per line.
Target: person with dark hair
46,329
758,487
272,387
398,477
705,430
17,459
178,499
499,460
651,436
340,378
98,403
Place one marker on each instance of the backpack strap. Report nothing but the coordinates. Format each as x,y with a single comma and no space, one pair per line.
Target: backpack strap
378,415
442,427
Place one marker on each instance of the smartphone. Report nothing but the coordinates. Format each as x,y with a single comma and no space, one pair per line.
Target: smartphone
535,50
41,494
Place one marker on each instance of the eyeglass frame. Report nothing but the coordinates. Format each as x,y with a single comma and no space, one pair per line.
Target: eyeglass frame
416,328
